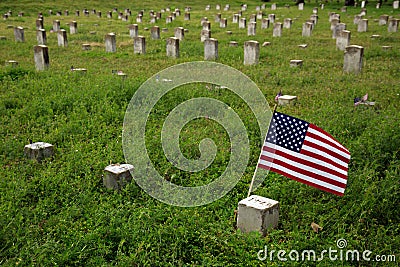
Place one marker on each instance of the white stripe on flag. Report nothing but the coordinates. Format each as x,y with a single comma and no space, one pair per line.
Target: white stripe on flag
331,148
325,155
305,157
302,177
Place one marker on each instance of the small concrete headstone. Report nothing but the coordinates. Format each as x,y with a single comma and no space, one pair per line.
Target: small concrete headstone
223,23
266,44
271,18
333,16
117,175
251,29
12,63
206,25
204,35
217,18
179,33
343,39
173,47
357,19
353,56
39,151
296,63
242,23
383,20
41,56
73,27
302,45
287,100
363,25
187,16
264,23
257,214
210,49
133,30
111,42
396,4
314,19
62,38
307,29
287,23
203,19
139,45
86,47
363,12
277,31
252,18
233,44
19,34
235,18
39,24
79,70
41,37
259,15
393,25
337,29
56,25
251,52
155,32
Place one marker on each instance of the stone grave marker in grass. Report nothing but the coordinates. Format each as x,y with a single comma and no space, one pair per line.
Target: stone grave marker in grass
173,47
353,56
19,34
251,52
139,45
41,57
210,49
258,214
39,151
117,175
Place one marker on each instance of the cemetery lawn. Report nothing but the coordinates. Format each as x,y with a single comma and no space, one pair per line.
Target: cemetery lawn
58,212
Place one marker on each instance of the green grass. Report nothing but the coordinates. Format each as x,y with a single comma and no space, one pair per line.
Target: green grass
57,212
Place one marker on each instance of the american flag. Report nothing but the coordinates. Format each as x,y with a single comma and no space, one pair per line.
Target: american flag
359,100
303,152
278,95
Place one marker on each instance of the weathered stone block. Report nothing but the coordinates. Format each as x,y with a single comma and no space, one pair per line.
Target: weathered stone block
39,151
258,214
117,175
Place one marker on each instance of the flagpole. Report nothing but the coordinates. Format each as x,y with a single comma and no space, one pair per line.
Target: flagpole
255,171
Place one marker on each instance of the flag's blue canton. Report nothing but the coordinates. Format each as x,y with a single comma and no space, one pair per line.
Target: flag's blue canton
287,132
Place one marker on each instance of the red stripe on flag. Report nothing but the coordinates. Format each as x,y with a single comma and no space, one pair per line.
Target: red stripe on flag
310,164
303,171
335,143
306,182
326,150
327,160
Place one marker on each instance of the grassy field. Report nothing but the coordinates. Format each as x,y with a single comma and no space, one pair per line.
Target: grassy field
58,212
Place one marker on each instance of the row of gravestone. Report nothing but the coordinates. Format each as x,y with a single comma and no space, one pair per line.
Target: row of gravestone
128,12
173,44
116,175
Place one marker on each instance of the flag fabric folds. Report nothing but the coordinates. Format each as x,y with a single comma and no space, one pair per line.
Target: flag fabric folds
304,152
